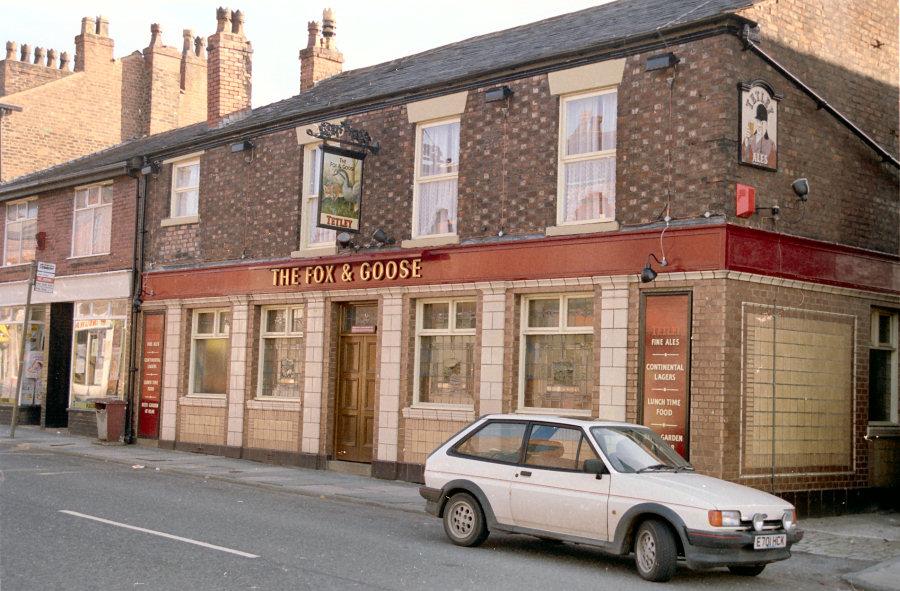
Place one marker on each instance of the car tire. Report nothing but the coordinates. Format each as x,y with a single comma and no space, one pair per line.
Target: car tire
747,570
464,521
655,552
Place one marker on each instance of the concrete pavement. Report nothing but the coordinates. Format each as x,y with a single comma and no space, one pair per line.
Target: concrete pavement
870,540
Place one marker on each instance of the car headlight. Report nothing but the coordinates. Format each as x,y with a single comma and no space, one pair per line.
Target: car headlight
725,518
789,519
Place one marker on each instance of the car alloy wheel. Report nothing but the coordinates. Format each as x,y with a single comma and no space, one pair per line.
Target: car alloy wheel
464,520
655,552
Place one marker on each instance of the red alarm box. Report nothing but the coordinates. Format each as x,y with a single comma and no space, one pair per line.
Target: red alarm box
746,201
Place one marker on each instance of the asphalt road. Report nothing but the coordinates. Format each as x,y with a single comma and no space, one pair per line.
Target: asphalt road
293,542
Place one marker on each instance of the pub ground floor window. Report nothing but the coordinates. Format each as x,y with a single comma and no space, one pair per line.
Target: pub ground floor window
883,398
98,347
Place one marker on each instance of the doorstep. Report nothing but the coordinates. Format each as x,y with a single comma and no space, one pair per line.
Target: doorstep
354,468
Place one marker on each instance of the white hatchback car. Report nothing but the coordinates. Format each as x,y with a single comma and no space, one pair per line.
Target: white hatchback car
618,486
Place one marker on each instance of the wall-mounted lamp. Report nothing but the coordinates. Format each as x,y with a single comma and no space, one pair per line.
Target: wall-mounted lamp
381,238
497,94
241,146
344,239
801,189
662,61
151,168
648,274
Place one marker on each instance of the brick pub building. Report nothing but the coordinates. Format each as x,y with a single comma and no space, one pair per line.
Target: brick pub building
523,181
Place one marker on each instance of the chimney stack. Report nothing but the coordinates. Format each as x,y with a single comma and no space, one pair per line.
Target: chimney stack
228,68
93,47
321,58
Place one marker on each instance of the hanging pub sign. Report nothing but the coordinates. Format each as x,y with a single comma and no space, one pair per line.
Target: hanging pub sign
340,189
759,125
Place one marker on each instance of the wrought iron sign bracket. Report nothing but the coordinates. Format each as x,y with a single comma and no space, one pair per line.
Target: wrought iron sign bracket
346,135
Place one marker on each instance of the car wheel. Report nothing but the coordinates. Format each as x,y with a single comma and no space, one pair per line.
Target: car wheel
464,521
655,553
747,570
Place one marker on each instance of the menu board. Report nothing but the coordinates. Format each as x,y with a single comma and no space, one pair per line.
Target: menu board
151,375
665,383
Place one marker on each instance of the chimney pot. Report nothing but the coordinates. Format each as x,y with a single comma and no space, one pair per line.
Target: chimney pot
237,22
223,19
103,26
51,59
25,54
155,35
64,60
187,37
11,47
199,47
40,56
313,28
88,25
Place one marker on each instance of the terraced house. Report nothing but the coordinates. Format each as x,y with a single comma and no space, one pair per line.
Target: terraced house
678,213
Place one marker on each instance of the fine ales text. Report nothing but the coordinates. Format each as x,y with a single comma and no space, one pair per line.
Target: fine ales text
348,273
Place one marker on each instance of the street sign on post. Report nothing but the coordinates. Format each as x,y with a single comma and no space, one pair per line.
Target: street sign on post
44,278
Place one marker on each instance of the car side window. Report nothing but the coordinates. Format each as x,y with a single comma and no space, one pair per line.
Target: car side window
496,441
557,448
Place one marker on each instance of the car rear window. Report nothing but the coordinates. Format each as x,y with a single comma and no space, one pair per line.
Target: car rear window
498,442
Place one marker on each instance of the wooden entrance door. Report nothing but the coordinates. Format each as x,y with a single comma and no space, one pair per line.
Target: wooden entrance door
355,405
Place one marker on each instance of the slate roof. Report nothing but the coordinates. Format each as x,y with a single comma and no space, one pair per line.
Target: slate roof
541,41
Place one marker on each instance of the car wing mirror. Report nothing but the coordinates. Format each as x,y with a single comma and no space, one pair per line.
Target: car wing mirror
595,467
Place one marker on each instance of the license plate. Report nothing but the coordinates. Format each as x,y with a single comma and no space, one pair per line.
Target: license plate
769,541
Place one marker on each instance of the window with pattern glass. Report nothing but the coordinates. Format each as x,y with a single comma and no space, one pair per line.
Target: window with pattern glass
587,158
311,235
185,189
445,352
210,341
556,362
883,368
21,227
92,224
437,168
281,352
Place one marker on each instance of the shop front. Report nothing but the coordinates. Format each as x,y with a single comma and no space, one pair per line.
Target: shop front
76,349
375,359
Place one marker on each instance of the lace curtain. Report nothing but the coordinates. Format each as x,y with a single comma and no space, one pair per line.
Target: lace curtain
590,183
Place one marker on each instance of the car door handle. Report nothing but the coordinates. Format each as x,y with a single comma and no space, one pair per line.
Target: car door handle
524,473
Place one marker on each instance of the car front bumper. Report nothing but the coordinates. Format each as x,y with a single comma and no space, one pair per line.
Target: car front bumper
708,549
432,498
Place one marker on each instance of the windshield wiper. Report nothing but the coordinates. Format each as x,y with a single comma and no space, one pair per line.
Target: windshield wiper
684,469
656,467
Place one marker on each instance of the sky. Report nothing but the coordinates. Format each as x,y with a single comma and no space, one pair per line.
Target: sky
368,32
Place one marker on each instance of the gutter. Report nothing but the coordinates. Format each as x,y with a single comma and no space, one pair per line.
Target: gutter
5,108
821,103
82,176
135,308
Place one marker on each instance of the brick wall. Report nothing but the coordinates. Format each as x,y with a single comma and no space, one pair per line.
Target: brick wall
508,169
55,214
102,103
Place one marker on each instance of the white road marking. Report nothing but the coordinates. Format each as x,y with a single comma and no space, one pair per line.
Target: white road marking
160,534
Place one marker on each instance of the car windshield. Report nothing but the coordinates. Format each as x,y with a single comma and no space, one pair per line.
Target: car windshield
636,449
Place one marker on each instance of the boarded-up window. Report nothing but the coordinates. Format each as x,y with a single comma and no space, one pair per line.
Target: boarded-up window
813,391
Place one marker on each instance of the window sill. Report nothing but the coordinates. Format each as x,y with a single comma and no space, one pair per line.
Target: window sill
876,430
316,251
555,412
421,241
16,265
215,401
182,221
291,404
87,256
589,228
434,413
